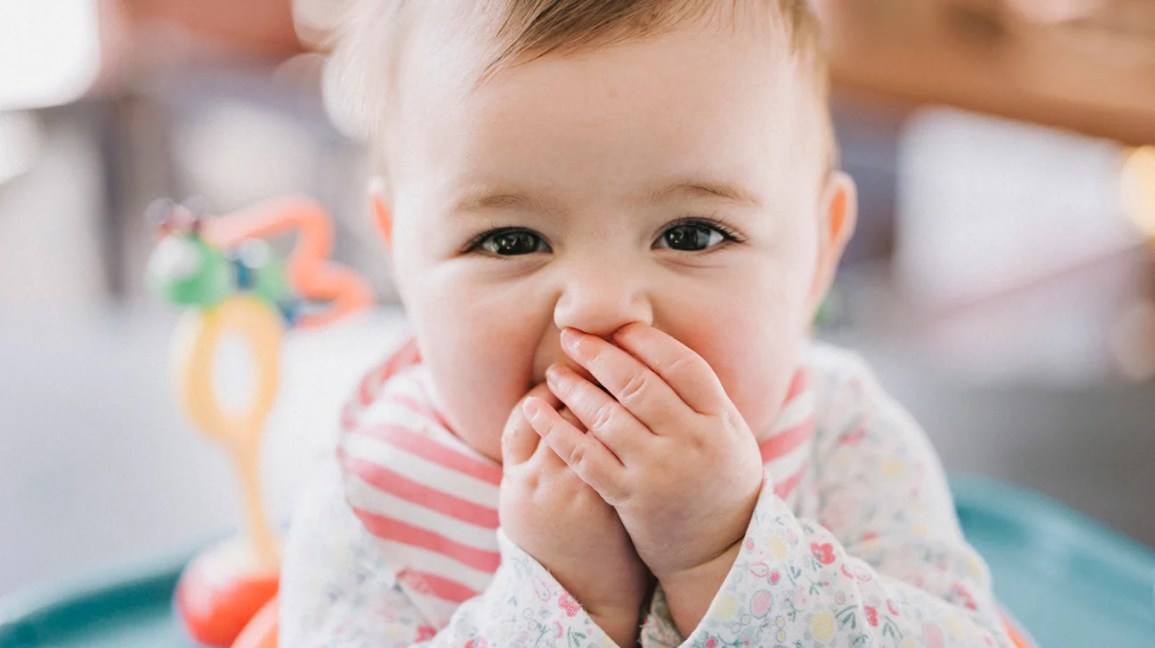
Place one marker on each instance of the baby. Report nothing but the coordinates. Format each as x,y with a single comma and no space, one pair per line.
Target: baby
611,224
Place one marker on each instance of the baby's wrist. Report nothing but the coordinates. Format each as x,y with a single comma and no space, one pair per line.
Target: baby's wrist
689,591
621,624
612,605
623,601
617,612
721,549
690,573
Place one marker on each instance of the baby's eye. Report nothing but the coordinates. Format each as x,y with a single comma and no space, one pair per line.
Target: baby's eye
509,242
694,235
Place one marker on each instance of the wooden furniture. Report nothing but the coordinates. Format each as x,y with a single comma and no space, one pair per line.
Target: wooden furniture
1091,72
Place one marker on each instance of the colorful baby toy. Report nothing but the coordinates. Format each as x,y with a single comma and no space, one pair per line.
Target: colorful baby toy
234,284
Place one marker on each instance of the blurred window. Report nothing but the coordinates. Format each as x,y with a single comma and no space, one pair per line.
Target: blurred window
49,51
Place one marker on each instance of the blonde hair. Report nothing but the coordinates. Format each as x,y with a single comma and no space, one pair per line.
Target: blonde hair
367,44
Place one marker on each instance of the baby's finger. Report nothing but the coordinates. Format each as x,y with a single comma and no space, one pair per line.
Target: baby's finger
599,413
571,418
518,440
548,456
545,454
678,365
583,453
643,393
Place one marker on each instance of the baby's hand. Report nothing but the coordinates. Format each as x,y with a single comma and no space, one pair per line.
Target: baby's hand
666,446
563,523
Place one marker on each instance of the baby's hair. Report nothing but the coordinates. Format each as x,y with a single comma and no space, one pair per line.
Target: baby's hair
366,47
534,28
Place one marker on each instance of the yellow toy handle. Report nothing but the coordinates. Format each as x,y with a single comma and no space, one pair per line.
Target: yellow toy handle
197,339
1138,184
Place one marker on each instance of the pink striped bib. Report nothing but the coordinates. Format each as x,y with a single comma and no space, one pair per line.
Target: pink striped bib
431,501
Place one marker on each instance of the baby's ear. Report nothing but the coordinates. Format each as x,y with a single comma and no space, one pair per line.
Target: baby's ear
381,213
838,213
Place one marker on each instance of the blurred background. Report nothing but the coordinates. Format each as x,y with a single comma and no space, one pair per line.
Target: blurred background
1002,280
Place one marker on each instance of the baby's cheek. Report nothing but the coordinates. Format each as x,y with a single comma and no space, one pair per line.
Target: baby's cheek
759,398
755,367
479,380
478,401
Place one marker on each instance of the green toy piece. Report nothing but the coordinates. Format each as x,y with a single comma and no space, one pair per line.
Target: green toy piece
187,270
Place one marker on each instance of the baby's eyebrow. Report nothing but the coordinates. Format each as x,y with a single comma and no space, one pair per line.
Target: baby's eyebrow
485,200
496,200
704,189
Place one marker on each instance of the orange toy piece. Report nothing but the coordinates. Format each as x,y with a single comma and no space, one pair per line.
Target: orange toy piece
261,632
1019,637
308,269
221,591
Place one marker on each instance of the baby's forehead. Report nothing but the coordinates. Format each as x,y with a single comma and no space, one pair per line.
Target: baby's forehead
391,42
521,31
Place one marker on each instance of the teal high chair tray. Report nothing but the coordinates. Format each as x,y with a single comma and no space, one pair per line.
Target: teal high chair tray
127,610
1067,579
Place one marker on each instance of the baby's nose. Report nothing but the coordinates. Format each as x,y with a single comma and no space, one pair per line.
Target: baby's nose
602,297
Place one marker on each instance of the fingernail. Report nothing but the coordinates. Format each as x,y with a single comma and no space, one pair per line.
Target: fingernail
557,373
570,338
531,408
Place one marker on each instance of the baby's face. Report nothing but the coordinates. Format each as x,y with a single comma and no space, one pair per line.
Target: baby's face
677,182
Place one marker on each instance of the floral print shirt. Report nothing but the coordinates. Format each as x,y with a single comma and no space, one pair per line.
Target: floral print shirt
866,551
